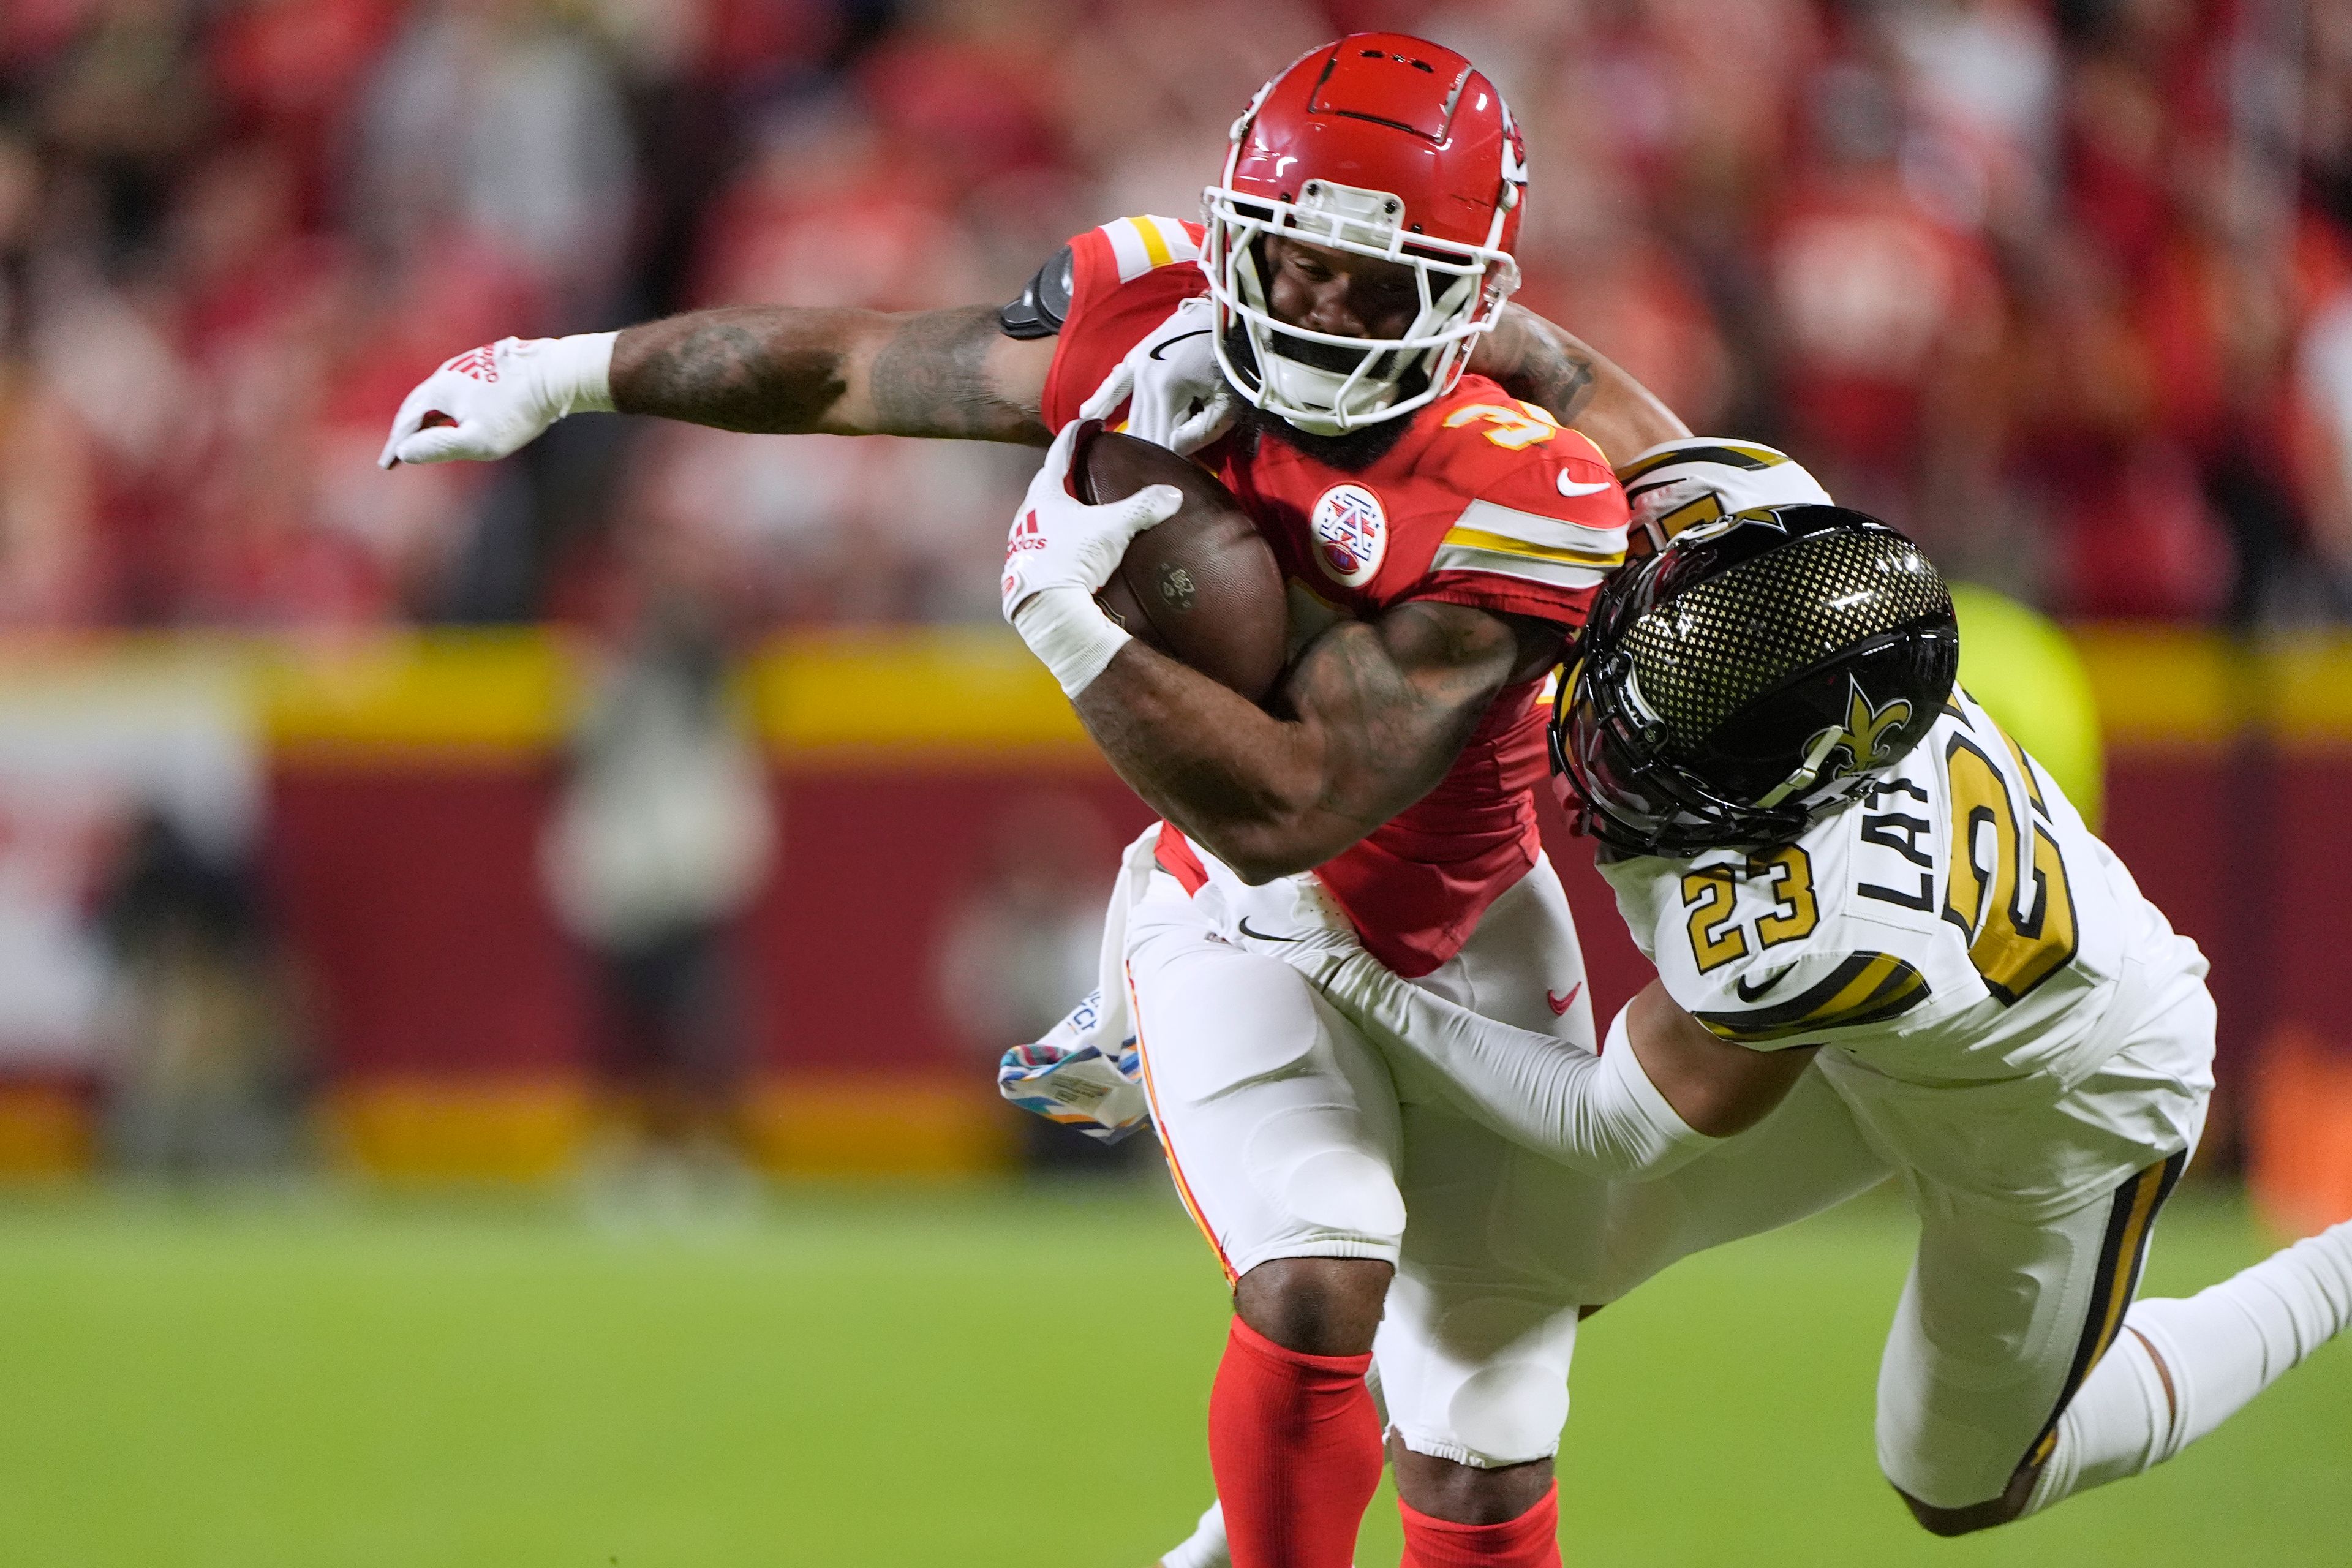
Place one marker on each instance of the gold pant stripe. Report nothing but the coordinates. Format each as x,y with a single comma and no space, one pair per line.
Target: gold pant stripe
2130,1222
2150,1183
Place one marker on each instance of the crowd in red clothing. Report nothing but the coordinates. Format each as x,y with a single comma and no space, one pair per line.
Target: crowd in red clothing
2062,286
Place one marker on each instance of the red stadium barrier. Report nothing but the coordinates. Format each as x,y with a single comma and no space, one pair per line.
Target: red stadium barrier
928,783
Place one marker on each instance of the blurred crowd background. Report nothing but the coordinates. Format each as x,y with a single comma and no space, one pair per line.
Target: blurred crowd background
2063,286
662,810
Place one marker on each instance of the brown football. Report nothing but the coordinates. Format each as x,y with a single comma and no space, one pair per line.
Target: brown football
1202,587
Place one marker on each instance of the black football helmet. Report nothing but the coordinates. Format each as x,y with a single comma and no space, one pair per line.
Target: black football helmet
1735,686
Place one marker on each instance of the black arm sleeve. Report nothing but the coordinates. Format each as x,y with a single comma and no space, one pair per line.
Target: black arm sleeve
1043,303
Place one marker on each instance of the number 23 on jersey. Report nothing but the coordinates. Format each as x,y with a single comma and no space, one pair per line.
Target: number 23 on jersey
2006,888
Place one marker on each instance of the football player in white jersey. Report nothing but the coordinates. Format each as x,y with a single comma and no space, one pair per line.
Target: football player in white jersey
1886,944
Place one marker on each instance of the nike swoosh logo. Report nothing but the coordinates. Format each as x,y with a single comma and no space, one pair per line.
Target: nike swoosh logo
1770,980
1560,1004
1566,488
1261,936
1177,339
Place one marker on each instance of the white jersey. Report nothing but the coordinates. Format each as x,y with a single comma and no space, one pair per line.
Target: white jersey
1956,928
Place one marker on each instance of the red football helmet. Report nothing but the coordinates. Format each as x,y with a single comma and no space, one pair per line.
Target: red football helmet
1381,145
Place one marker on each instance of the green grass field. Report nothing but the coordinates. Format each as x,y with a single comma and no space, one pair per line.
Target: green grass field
897,1378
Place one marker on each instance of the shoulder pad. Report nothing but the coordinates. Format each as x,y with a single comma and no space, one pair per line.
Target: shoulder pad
1044,301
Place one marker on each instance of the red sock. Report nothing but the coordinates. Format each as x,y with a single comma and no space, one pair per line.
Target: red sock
1530,1541
1294,1443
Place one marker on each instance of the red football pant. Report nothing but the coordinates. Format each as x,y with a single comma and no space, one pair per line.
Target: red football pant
1530,1541
1294,1443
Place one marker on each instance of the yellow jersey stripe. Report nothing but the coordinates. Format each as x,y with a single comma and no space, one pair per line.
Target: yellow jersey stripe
1882,980
1127,248
1142,243
1853,994
1587,555
1171,233
1534,527
1496,563
1155,244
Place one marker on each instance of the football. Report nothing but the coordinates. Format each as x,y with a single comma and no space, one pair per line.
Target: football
1202,587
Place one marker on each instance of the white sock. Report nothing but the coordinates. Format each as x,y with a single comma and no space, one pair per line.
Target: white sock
1205,1547
2221,1347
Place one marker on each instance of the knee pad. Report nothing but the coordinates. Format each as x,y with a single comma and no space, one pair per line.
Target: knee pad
1481,1381
1345,1191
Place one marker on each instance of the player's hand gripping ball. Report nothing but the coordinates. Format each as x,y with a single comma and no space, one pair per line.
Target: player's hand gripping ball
1160,547
1202,587
1065,540
1175,394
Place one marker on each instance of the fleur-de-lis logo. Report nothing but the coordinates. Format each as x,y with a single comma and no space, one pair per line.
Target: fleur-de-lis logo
1863,741
1866,738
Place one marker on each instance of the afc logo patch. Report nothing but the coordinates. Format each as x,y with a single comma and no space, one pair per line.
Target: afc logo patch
1351,534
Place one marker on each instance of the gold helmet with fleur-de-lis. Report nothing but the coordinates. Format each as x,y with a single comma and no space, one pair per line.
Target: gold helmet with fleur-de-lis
1751,677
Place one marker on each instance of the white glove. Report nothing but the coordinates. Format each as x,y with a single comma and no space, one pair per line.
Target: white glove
1175,394
1059,553
503,397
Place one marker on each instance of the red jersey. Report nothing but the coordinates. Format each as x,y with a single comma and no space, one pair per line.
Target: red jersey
1484,501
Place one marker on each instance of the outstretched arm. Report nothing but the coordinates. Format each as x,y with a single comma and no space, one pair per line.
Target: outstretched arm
1663,1091
1543,363
782,370
771,368
774,369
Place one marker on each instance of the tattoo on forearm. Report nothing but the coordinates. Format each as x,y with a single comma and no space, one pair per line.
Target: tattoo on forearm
932,379
781,371
758,369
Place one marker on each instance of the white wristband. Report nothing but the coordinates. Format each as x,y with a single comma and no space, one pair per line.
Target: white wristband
1069,633
577,372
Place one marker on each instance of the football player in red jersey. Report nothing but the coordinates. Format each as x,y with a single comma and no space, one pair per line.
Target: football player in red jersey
1399,440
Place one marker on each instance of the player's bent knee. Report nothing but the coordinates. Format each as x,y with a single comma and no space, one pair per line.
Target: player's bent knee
1510,1413
1316,1306
1468,1494
1477,1374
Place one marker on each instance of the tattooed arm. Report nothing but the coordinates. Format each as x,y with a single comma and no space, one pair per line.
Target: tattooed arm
774,369
955,372
751,367
1368,720
1544,363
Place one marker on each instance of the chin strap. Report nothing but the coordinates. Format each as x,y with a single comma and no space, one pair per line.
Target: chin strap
1807,770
